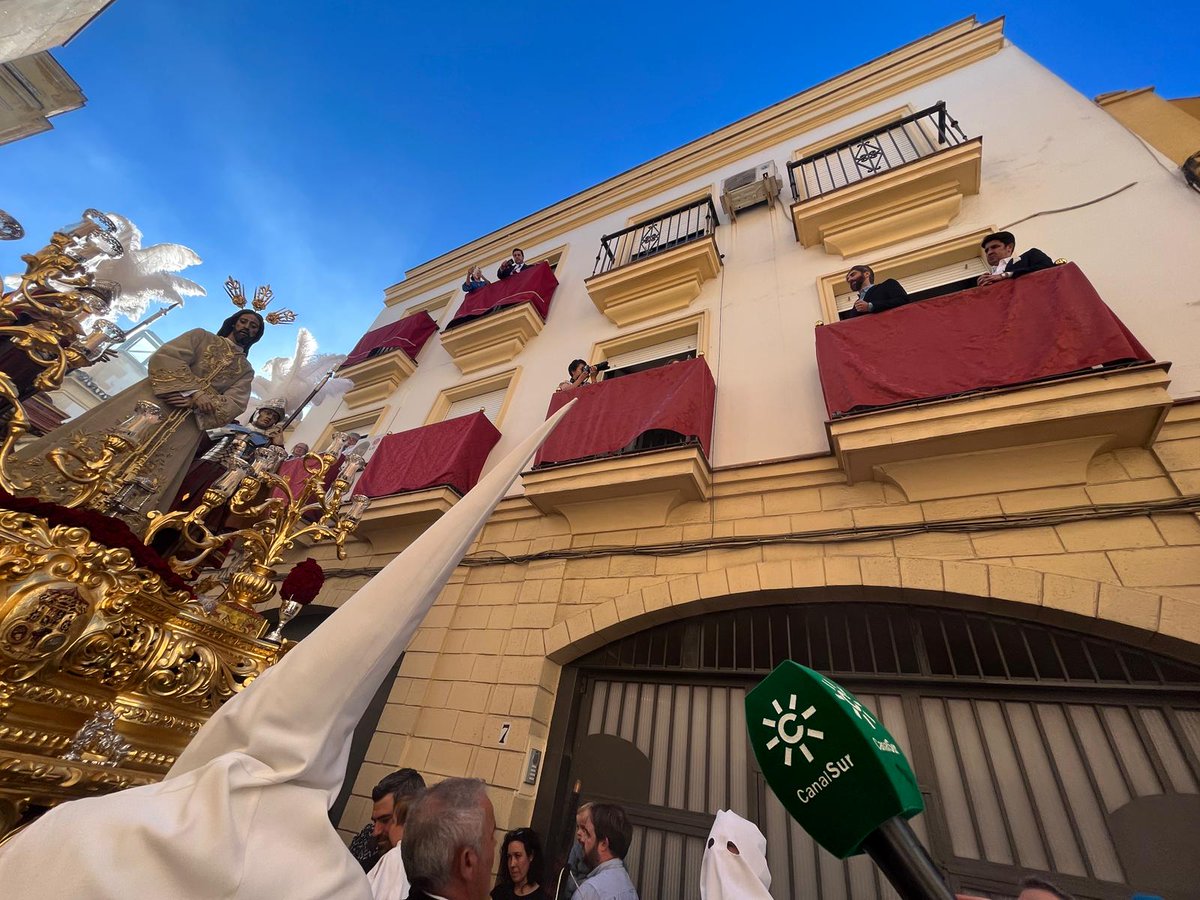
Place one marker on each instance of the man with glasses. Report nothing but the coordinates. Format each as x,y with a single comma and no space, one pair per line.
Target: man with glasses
392,797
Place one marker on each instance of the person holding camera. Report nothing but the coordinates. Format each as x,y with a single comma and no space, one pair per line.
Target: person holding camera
475,280
580,374
514,265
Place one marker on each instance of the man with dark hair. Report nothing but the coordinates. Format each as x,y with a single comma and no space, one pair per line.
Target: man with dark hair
392,798
998,248
604,833
514,265
1034,888
579,373
872,297
450,842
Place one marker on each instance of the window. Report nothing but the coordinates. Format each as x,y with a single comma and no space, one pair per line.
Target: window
651,356
492,395
553,257
488,403
651,347
360,423
942,268
435,306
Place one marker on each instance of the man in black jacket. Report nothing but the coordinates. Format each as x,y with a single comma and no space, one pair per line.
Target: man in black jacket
999,247
872,297
514,265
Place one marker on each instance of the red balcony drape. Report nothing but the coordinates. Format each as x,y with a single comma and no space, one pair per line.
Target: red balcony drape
409,334
535,286
295,474
1046,324
612,414
445,453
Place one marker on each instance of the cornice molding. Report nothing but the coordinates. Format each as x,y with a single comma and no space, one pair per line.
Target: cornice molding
951,48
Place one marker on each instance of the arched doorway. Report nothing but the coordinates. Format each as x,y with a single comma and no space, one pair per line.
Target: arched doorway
1038,749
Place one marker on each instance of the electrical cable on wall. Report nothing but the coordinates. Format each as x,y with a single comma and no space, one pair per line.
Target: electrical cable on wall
1063,516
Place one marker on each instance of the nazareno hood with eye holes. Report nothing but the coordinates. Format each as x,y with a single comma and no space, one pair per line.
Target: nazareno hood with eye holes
726,875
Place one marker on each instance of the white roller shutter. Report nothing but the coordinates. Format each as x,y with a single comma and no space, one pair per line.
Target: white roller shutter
929,278
654,351
956,271
490,403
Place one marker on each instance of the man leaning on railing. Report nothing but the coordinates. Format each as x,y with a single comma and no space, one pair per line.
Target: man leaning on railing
999,247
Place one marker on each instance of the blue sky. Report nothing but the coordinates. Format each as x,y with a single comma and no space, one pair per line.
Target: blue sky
327,147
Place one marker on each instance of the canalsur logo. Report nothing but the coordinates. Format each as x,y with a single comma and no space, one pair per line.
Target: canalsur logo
855,707
790,729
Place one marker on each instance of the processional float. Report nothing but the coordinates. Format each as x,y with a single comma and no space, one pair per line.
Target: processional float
112,656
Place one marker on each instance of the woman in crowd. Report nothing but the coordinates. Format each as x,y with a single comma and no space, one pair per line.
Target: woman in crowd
475,280
520,866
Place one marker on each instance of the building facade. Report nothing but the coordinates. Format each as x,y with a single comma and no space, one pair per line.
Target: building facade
997,550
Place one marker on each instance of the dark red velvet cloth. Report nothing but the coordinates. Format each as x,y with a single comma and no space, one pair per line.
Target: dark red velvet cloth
409,334
1045,324
104,530
451,453
536,286
293,472
610,415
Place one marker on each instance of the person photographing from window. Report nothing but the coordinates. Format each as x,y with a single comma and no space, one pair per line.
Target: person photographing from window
580,373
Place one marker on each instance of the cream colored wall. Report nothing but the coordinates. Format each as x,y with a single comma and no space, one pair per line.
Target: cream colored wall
1045,147
490,651
491,648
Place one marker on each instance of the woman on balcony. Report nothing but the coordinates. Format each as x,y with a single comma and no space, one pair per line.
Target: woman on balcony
475,280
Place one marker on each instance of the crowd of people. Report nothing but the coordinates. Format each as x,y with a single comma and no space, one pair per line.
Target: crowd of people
440,843
1004,264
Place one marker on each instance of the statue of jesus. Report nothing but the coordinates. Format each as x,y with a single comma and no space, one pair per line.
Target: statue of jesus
200,379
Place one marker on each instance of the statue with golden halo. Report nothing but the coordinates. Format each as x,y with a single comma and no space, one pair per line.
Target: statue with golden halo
198,381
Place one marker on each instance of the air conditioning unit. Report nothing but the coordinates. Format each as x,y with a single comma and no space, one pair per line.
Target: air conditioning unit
750,188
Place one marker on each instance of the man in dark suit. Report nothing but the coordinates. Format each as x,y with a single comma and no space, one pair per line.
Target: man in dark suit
449,844
514,265
999,247
872,297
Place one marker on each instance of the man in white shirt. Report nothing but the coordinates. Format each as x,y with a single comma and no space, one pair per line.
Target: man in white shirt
393,796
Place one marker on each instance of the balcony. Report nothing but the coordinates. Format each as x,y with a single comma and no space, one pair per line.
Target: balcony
657,266
896,182
384,357
630,450
415,476
1008,387
495,322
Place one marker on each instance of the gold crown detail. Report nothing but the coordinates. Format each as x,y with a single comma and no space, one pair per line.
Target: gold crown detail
263,295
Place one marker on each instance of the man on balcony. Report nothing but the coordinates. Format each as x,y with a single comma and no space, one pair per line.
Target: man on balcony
514,265
580,373
999,247
872,297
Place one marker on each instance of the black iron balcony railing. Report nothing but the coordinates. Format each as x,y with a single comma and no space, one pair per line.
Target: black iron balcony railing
889,147
672,229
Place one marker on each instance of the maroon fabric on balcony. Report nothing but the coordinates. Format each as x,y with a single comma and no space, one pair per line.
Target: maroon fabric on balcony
610,415
409,334
1042,325
536,285
451,452
295,474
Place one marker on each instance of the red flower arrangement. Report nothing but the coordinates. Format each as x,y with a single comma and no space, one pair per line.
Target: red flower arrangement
104,530
303,583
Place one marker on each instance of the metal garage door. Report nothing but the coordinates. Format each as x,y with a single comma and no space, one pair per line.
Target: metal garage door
1038,750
